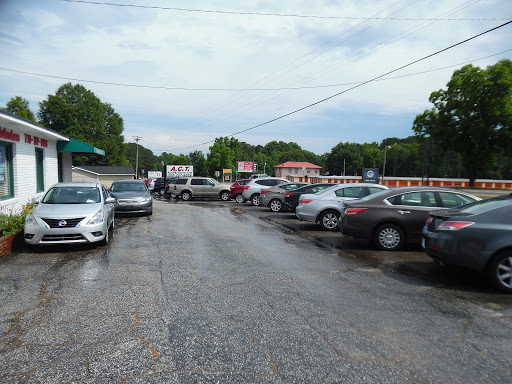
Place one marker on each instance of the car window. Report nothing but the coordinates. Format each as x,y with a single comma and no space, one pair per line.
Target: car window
267,182
181,181
122,187
72,195
288,187
350,192
415,199
243,182
374,190
213,182
486,205
197,182
317,188
452,200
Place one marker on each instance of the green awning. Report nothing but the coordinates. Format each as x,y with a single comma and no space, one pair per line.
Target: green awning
76,146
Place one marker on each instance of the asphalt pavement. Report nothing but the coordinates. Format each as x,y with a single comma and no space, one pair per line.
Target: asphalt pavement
219,292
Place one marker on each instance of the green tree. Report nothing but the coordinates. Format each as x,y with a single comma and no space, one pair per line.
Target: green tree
19,106
147,160
77,112
198,160
472,116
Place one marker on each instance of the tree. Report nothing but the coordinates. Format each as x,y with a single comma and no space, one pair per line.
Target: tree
198,160
19,106
76,112
473,116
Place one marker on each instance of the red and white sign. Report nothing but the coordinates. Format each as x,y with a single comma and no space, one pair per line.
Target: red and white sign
245,166
179,170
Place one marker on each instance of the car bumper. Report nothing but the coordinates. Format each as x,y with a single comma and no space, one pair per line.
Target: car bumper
447,249
83,234
134,207
304,215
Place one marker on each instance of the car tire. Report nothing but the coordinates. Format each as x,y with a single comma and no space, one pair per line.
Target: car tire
112,224
255,199
499,271
330,220
389,237
106,239
224,195
275,205
239,198
186,196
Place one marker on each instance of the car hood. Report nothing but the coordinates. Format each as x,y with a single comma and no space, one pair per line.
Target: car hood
66,210
130,194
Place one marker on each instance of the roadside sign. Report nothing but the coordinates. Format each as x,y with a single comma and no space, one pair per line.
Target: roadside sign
179,170
371,175
245,166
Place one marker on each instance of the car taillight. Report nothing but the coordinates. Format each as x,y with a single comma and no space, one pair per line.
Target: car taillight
289,194
454,225
306,201
354,211
265,191
247,187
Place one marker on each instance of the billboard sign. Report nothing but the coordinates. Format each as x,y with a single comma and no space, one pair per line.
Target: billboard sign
154,174
245,166
179,171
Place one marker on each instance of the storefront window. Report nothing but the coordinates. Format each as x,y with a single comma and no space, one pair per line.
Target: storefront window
6,173
40,169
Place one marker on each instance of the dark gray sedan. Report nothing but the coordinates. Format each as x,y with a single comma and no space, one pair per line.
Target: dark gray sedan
395,217
476,236
132,196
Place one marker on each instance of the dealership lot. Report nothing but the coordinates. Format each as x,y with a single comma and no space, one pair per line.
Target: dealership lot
215,291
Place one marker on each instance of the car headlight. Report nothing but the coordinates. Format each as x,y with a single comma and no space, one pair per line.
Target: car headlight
97,218
30,221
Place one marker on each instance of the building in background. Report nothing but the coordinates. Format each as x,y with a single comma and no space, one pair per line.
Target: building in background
103,174
297,170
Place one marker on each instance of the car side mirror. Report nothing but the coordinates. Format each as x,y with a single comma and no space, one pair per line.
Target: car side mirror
110,200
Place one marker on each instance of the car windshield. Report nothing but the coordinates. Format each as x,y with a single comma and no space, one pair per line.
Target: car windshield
122,187
214,181
72,195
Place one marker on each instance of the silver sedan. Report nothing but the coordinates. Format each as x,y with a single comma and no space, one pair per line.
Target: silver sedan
71,213
325,207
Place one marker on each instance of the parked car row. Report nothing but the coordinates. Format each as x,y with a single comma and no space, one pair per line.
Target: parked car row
453,227
84,212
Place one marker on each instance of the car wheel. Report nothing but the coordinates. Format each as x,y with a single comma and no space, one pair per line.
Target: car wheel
275,205
106,239
329,220
239,198
112,224
186,196
499,271
389,237
255,199
224,195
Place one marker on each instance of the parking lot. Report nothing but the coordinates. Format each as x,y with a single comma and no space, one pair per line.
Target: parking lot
211,291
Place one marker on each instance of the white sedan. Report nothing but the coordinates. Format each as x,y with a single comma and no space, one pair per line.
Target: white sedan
325,207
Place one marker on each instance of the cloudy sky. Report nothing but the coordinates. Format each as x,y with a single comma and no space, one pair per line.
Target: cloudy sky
182,73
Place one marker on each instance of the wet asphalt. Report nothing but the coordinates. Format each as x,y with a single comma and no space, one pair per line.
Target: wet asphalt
218,292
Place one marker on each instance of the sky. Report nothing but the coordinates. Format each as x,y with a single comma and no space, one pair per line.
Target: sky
313,72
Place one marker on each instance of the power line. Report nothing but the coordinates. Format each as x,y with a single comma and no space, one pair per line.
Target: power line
347,90
273,14
248,89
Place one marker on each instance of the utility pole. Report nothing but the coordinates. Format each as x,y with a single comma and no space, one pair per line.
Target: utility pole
137,139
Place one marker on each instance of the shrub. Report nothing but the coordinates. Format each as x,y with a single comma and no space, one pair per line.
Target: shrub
13,223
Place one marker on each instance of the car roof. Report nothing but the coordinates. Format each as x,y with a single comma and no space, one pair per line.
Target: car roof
77,184
127,181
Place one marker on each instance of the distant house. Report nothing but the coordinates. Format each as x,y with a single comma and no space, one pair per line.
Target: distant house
297,169
103,174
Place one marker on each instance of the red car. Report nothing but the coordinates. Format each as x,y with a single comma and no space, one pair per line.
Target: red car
236,190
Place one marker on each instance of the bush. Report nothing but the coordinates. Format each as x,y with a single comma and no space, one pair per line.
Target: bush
13,223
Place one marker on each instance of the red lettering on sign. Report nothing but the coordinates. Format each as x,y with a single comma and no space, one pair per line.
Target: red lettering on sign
36,140
44,143
28,139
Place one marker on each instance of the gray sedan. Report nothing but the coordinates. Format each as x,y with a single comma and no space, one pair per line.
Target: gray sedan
71,213
326,206
274,196
132,196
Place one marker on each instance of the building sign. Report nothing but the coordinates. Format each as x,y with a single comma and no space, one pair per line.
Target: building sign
245,166
29,139
154,174
179,170
8,135
371,175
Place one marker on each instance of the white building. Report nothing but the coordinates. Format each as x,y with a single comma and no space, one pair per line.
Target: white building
32,158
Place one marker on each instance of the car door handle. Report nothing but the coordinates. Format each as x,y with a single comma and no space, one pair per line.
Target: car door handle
404,212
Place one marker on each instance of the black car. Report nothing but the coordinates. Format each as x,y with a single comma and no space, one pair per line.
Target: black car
291,198
159,185
477,236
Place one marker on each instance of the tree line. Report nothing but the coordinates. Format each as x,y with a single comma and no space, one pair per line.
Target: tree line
467,134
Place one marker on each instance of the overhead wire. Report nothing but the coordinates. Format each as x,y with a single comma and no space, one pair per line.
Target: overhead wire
349,89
